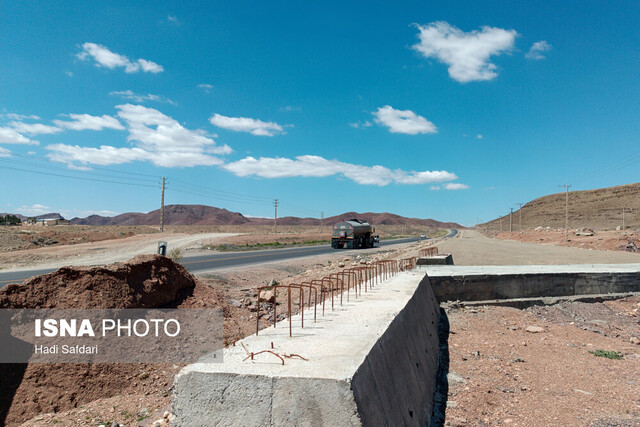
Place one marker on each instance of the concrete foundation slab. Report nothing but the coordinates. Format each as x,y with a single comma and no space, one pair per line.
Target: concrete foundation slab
477,283
370,362
439,259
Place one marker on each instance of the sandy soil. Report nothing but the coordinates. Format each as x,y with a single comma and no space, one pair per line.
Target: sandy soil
103,252
601,240
472,248
501,374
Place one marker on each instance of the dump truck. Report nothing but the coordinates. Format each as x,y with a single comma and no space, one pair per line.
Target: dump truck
353,234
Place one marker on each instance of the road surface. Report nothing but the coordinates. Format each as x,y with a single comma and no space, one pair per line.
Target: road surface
216,261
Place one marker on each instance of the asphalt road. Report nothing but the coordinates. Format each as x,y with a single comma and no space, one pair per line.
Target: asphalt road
215,261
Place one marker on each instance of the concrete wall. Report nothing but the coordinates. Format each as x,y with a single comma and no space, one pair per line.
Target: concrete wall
395,384
373,363
458,283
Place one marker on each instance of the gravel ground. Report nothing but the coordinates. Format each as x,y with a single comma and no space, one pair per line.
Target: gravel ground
501,374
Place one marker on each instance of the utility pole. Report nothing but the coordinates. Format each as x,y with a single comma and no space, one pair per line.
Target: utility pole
162,206
520,210
622,219
275,216
566,211
511,221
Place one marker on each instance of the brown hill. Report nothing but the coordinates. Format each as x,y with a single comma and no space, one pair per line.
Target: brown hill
391,219
208,215
598,209
173,215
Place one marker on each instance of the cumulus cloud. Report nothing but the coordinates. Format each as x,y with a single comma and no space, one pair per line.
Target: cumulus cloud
140,98
403,121
154,136
105,58
466,54
11,136
536,50
245,124
34,128
316,166
455,186
89,122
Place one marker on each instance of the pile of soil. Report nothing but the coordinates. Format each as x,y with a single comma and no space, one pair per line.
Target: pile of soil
146,281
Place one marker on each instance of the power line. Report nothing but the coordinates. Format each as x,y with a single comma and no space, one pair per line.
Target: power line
215,190
162,206
616,165
566,213
275,217
210,196
66,170
92,167
79,178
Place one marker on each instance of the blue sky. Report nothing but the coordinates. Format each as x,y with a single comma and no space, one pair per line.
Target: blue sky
448,110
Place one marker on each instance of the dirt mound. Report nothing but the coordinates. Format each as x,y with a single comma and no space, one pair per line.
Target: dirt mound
146,281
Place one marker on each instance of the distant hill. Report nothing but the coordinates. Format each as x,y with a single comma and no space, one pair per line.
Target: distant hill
391,219
208,215
173,215
23,218
600,209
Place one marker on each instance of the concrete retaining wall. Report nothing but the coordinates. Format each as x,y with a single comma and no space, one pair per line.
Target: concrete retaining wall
373,362
395,384
507,282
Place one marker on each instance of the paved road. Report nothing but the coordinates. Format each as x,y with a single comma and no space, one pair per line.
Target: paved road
215,261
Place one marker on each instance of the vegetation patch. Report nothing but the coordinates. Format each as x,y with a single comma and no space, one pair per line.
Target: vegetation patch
608,354
228,247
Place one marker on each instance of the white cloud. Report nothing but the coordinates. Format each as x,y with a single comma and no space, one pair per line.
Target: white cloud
479,136
4,152
360,125
69,73
105,58
289,108
205,87
466,54
403,121
155,137
535,53
11,136
89,122
173,20
34,210
34,128
245,124
455,186
316,166
434,188
21,117
140,98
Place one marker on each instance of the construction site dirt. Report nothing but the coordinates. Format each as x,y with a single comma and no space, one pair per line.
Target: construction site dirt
499,373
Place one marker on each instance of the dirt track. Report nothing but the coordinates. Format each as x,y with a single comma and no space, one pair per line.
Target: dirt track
472,248
104,252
